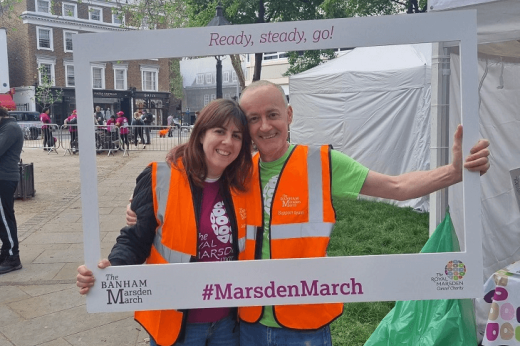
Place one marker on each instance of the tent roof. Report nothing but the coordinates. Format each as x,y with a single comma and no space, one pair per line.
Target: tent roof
398,57
497,20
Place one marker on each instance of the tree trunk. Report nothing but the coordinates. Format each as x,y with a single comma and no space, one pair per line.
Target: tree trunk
237,65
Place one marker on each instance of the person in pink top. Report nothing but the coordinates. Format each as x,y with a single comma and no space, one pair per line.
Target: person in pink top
72,123
48,140
122,124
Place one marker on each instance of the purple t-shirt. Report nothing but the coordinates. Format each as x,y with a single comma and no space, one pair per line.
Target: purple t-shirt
215,244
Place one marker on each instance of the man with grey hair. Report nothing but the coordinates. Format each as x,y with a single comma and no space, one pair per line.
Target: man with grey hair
11,142
283,172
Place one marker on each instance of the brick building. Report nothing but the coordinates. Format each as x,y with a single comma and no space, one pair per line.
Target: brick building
39,40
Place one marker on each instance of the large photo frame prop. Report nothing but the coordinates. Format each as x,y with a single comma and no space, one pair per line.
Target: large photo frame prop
245,283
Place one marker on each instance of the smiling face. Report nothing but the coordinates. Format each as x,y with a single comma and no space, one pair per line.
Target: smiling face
221,147
268,119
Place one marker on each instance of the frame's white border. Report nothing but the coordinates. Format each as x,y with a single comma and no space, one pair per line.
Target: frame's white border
386,277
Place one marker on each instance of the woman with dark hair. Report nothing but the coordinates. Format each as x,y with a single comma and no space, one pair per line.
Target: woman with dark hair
211,170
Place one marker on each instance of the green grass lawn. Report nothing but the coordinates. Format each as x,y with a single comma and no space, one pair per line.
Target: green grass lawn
371,228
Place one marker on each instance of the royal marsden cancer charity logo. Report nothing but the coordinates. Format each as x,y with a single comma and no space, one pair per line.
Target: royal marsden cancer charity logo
452,278
290,202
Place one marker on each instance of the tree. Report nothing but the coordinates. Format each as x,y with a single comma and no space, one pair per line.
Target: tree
45,94
175,78
153,14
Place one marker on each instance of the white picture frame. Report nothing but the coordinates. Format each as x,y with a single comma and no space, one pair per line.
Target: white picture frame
346,279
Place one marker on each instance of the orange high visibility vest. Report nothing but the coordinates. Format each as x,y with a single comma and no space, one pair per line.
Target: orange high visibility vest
302,218
176,240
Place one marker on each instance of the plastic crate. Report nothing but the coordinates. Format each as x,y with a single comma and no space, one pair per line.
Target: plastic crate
25,188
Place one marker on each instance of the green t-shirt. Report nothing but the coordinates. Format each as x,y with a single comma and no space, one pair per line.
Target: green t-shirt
348,177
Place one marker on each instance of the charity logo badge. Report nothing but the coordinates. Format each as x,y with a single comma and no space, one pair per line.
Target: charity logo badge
220,223
455,270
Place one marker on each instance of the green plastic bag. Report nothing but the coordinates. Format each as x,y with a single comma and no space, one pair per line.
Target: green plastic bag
448,322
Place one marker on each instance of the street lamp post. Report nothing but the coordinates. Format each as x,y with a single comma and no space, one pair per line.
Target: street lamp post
219,20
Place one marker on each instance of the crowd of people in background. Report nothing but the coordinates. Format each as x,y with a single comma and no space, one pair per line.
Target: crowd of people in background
113,130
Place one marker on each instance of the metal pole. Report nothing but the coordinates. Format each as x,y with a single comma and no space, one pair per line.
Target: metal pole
219,77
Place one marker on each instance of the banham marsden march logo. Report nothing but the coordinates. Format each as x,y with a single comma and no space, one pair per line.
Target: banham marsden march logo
124,291
452,278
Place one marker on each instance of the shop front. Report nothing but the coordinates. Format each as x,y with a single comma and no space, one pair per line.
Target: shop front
156,103
113,101
110,102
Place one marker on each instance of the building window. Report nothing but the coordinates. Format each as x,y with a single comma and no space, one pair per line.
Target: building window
44,38
234,76
200,78
46,71
208,78
274,55
225,77
69,10
46,75
69,75
43,6
67,40
213,96
120,78
95,13
149,79
118,18
98,76
206,99
227,96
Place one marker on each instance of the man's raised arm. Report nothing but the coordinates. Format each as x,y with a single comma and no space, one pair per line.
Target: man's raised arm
416,184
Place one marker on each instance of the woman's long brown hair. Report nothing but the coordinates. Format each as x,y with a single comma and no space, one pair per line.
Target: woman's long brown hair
218,113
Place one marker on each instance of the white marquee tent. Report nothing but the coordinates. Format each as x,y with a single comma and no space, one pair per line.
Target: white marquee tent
372,104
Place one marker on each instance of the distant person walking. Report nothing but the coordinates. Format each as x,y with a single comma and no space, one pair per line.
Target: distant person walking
48,140
98,116
137,125
170,125
11,142
72,123
148,120
122,124
111,128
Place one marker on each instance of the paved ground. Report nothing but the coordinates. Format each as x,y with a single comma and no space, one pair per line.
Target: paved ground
40,304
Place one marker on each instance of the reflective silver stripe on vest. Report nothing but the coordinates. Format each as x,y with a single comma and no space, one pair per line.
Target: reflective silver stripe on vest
241,244
315,227
251,232
162,190
315,185
301,230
